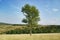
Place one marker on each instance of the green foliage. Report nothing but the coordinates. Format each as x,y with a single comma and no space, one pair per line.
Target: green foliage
18,31
24,20
25,30
32,16
22,29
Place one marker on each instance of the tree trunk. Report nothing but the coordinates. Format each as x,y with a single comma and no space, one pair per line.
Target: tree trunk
30,31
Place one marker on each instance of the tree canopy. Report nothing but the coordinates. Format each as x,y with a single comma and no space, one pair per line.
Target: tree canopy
32,15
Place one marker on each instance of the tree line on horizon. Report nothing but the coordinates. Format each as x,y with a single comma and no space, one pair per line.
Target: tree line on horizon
41,29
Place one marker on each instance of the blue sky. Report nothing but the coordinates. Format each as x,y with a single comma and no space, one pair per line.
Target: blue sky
10,11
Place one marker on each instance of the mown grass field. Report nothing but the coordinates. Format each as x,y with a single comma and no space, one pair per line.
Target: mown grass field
47,36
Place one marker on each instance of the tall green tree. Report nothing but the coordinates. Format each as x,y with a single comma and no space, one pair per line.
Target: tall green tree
32,16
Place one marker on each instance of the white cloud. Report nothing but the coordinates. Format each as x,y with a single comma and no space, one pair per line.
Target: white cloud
55,9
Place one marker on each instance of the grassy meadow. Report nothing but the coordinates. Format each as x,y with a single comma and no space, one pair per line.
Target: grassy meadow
4,28
40,36
47,36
